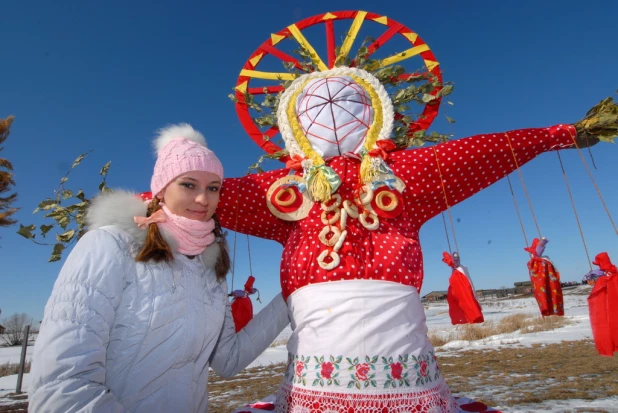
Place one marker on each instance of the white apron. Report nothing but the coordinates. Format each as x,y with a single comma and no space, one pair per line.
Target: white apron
361,344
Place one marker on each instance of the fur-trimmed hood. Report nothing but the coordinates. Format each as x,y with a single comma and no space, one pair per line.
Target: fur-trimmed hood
118,209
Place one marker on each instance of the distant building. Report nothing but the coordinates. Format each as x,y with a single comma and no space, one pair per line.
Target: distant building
523,287
434,296
2,329
495,293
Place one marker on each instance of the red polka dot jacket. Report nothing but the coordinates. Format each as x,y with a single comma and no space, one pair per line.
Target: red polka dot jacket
392,252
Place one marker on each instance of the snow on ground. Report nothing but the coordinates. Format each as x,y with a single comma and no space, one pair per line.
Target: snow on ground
8,384
573,405
12,354
438,321
576,309
272,355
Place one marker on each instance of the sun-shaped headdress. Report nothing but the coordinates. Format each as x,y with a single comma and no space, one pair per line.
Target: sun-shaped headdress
341,107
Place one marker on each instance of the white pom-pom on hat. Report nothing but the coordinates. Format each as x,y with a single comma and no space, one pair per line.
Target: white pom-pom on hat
182,130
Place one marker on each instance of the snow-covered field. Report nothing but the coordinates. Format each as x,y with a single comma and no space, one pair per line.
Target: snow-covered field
12,354
438,321
576,309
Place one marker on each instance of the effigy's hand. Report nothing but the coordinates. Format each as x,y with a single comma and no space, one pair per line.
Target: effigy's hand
585,140
592,276
239,294
600,124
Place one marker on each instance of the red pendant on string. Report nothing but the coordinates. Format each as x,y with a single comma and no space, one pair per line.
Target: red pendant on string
242,308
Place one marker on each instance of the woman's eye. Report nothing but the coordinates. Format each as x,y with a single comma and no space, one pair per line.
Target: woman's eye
213,188
187,185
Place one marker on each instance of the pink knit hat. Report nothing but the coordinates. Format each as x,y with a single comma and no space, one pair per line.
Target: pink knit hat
181,149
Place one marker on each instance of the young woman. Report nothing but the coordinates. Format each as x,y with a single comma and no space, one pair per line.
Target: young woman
139,312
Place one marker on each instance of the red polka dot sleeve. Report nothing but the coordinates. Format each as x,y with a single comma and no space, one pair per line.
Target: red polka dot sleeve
469,165
242,207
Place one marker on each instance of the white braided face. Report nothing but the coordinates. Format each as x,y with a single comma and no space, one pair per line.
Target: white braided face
335,114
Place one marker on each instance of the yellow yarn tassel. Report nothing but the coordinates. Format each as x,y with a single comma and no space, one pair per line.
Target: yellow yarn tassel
320,188
368,171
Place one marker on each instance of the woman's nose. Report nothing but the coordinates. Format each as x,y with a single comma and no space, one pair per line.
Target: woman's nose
202,199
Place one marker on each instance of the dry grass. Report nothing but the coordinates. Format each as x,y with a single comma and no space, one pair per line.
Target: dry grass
251,385
544,324
505,377
513,322
19,405
280,342
438,340
509,324
569,370
9,369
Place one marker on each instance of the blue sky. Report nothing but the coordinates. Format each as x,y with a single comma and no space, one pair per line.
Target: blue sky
104,76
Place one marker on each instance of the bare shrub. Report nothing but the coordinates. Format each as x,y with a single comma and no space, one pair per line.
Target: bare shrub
14,328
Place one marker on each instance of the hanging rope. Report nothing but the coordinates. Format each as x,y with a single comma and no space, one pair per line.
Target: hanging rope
448,240
589,151
233,261
249,252
581,232
251,267
592,179
521,222
448,208
235,232
523,184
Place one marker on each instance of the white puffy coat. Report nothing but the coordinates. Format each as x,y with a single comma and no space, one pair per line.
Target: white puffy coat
123,336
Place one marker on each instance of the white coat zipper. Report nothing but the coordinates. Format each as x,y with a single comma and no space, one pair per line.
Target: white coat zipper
174,270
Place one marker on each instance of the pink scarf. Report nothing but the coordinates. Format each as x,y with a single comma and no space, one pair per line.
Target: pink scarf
191,235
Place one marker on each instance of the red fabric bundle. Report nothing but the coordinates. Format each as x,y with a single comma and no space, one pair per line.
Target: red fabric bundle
242,308
603,307
463,307
545,282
